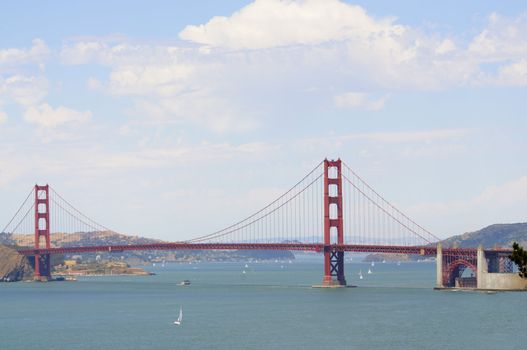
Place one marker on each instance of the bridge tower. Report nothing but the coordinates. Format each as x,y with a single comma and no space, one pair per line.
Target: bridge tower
42,262
333,224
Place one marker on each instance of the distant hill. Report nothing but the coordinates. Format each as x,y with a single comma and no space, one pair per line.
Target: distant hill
498,235
82,239
79,239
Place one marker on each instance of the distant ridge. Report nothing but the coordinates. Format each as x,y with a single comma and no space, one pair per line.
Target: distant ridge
497,235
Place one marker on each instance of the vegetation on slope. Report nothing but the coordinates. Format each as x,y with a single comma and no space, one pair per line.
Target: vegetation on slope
498,235
519,257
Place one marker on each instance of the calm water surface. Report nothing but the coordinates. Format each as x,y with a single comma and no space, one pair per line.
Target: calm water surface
271,306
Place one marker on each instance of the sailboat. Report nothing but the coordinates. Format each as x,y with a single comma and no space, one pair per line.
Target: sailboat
360,274
180,317
372,263
369,271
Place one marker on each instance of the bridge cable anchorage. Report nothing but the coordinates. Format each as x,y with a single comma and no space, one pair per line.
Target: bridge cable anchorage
275,224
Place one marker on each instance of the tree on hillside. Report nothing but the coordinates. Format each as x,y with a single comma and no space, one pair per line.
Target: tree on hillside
519,257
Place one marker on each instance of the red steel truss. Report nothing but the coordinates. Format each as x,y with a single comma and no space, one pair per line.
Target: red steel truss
317,247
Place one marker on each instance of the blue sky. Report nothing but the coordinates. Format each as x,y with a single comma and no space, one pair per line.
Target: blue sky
153,116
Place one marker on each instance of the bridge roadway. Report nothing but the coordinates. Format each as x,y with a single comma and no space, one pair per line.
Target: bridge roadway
315,247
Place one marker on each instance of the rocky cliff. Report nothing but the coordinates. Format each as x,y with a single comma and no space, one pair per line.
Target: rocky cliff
13,266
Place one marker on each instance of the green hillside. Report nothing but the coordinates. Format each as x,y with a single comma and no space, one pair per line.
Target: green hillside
497,235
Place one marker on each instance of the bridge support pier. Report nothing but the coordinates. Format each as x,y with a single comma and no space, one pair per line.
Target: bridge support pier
333,225
439,266
42,268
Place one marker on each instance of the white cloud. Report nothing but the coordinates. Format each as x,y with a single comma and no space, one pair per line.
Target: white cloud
272,23
200,107
265,50
48,117
94,84
514,74
115,51
445,46
418,136
185,154
359,100
169,85
164,80
37,53
413,136
502,39
24,90
332,38
501,44
509,193
81,52
502,203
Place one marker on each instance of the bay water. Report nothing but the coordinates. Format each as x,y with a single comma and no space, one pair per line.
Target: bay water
270,306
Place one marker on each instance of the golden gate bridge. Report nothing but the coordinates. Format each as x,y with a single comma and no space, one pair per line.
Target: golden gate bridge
331,210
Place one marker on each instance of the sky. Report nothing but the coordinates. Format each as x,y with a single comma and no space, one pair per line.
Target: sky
171,119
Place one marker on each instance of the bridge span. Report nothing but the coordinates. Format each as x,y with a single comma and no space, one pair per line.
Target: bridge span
331,210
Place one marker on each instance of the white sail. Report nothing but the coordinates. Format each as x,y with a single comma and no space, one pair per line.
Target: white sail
180,317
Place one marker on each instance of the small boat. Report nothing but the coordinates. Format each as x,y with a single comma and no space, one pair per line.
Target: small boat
369,271
398,263
384,261
360,274
246,266
184,283
372,263
244,272
180,317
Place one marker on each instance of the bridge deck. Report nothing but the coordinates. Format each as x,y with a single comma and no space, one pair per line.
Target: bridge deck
317,247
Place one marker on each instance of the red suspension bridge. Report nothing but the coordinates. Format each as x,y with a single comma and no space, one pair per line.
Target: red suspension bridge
331,210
